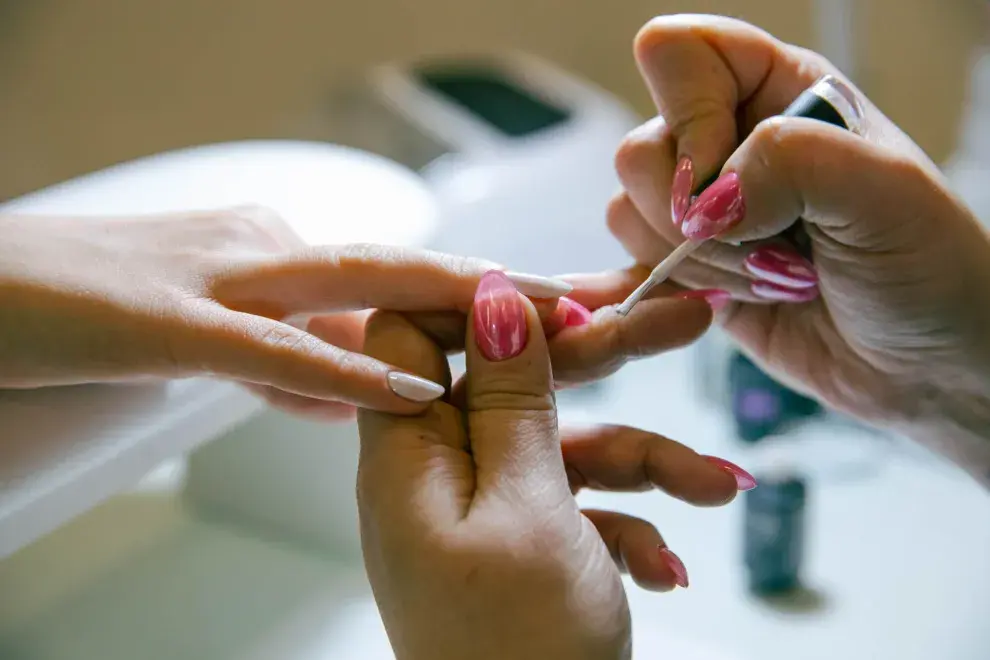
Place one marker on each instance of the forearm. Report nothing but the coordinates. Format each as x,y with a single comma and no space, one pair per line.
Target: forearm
957,426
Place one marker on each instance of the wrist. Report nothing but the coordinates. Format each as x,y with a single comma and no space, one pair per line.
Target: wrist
956,425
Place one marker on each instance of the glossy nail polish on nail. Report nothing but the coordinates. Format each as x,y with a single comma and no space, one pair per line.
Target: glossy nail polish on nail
499,318
782,266
680,190
776,293
744,480
675,565
414,388
716,298
575,313
719,208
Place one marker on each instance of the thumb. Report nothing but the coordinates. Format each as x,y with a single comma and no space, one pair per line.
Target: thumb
512,413
856,192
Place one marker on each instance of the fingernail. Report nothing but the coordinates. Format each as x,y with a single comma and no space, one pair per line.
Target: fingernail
676,566
782,266
716,298
680,190
777,293
575,313
719,208
535,286
744,480
413,387
499,318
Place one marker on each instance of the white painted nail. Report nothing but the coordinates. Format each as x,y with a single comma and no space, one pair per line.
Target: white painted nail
535,286
414,388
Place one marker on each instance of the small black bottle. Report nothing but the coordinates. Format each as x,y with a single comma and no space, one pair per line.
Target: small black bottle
761,405
775,534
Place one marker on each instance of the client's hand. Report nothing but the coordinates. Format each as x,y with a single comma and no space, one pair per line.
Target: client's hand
218,293
474,543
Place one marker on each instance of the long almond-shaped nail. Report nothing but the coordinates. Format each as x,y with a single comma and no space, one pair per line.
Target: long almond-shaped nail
680,190
536,286
744,480
719,208
776,293
499,318
782,266
414,388
716,298
675,565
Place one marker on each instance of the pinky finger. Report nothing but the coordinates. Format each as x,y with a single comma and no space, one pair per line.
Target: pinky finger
638,549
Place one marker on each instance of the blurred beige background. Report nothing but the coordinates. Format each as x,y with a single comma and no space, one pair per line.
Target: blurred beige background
87,83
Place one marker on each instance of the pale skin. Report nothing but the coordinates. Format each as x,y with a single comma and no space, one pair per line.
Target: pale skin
235,294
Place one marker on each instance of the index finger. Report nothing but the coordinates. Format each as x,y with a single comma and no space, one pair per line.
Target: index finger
364,276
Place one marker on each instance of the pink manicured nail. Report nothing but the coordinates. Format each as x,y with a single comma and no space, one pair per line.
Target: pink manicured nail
717,298
575,313
744,480
777,293
719,208
499,318
782,266
676,566
680,190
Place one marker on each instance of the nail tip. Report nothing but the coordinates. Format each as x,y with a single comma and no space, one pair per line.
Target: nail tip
414,388
675,565
537,286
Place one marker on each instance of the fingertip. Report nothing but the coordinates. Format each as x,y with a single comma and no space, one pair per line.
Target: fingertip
743,480
414,388
675,566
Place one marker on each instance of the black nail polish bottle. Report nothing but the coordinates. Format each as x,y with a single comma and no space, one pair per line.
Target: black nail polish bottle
760,405
775,533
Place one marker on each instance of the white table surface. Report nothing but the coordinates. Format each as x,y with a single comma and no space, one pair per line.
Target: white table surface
56,466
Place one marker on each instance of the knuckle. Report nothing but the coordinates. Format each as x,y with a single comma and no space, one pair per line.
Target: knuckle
359,254
779,145
281,338
811,64
661,30
617,211
641,149
505,394
259,225
455,265
254,214
650,37
252,219
914,173
708,112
